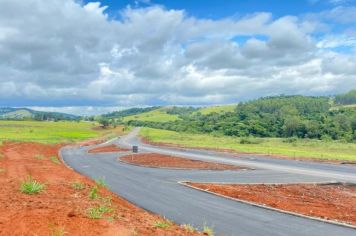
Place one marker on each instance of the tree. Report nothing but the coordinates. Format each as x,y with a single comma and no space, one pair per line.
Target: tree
104,122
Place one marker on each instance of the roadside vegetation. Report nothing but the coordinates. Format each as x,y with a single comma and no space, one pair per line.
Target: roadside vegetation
292,147
31,186
271,117
52,132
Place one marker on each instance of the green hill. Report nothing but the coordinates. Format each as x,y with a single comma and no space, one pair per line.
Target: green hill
217,109
9,113
157,115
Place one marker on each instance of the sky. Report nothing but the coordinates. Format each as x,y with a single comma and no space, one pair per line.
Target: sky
90,57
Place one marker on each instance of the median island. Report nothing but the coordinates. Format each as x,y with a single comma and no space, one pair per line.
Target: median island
108,148
329,201
166,161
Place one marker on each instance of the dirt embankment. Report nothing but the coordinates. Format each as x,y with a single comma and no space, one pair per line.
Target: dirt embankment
165,161
108,148
327,201
65,206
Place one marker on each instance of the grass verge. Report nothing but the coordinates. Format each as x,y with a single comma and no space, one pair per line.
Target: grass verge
298,148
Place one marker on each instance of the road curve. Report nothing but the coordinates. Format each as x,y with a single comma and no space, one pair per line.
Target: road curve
158,190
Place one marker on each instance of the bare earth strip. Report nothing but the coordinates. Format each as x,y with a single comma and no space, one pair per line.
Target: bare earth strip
166,161
61,209
327,201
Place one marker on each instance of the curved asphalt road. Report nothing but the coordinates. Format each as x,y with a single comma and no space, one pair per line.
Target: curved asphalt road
158,190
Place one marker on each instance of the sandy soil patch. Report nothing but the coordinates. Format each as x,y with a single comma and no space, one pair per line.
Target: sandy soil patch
328,201
61,208
166,161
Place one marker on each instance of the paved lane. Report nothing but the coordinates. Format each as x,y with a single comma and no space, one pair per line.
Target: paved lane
157,190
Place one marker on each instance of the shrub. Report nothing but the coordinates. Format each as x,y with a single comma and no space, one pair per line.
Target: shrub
290,140
78,185
93,194
31,186
188,228
208,230
250,141
98,212
162,224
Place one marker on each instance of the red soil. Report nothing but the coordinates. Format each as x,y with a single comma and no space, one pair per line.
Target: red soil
60,207
327,201
165,161
108,148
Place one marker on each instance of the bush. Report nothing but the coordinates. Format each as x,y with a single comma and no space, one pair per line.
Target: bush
290,140
31,186
78,185
93,194
250,141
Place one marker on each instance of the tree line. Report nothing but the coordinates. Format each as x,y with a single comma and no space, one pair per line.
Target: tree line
280,116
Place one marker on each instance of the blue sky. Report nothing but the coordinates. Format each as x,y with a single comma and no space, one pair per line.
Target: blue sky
215,9
88,57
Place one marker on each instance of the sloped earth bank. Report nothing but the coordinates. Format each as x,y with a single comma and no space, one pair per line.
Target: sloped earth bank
166,161
108,148
62,209
335,201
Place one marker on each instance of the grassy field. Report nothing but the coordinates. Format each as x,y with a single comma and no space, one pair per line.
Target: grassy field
332,150
49,132
158,115
217,109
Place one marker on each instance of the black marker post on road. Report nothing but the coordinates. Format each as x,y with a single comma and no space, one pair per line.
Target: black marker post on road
134,150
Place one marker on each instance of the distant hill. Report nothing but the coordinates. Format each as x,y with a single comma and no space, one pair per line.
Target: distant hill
346,98
217,109
156,115
9,113
166,114
128,112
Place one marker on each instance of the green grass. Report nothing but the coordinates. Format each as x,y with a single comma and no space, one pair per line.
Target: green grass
31,186
54,160
208,230
47,132
158,115
162,224
93,193
334,150
217,109
98,212
188,228
100,182
78,185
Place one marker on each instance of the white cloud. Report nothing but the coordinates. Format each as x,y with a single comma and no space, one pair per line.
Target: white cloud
60,53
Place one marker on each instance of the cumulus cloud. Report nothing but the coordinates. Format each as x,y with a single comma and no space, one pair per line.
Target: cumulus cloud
62,53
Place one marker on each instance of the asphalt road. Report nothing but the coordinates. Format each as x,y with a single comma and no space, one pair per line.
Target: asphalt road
158,190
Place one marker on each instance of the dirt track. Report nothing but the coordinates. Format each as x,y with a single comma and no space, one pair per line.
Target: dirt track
60,208
327,201
165,161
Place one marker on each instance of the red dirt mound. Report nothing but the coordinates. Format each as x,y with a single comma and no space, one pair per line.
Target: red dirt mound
328,201
165,161
108,148
61,208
